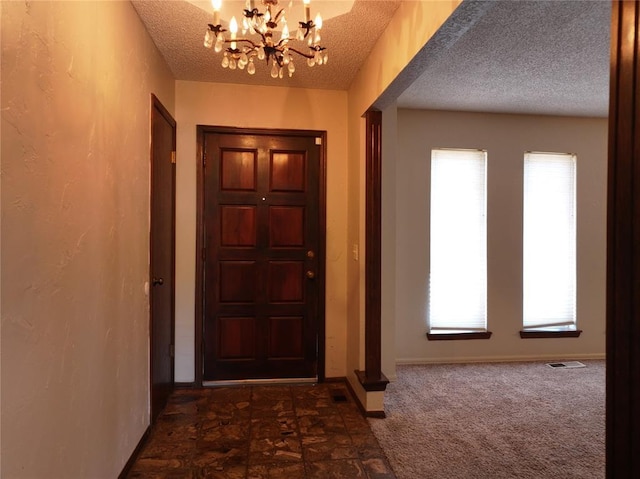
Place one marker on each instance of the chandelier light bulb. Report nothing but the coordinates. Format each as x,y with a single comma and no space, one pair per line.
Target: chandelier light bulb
291,67
285,33
216,4
318,22
307,10
233,28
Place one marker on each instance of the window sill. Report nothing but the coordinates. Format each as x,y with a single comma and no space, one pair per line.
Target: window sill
550,334
457,336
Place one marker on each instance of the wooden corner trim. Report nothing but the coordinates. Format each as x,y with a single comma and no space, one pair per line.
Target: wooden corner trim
550,334
458,336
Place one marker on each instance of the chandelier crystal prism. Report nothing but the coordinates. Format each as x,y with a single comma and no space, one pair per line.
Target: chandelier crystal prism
265,36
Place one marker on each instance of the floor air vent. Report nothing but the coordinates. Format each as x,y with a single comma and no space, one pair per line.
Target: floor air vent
566,365
339,395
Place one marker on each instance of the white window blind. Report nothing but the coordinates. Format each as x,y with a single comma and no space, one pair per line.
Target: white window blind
549,241
458,242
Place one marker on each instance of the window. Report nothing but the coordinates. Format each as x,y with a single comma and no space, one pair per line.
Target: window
549,242
458,242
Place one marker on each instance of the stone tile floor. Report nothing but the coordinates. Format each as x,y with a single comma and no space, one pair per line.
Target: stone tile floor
262,432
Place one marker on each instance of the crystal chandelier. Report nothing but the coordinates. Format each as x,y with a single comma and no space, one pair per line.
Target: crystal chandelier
265,36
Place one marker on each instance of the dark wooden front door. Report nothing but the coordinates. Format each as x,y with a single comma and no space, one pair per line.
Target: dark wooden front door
262,281
163,142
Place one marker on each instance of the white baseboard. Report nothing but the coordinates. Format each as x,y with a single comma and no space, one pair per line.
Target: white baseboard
500,359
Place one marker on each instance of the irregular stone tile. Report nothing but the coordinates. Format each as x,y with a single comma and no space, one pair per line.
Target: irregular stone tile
273,427
378,468
161,474
230,408
320,448
343,469
276,471
272,407
181,452
175,430
261,393
159,463
314,425
315,407
212,431
286,449
230,394
206,434
355,421
235,471
220,457
310,391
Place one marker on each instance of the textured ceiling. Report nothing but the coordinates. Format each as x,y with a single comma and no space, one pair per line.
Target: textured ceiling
540,57
509,56
177,28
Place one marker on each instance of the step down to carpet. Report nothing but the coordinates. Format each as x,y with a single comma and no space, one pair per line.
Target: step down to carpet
567,365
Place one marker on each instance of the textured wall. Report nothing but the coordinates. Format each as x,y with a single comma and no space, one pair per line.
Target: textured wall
76,80
506,138
217,104
413,24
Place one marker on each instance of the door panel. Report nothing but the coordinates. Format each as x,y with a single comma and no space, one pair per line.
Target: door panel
261,218
162,256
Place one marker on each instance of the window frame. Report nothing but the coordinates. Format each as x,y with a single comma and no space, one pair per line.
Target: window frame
569,327
454,331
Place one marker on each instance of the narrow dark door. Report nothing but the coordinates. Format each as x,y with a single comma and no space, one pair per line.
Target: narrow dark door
162,255
261,237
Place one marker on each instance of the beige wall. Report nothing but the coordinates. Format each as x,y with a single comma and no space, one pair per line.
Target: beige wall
276,107
413,24
76,84
506,138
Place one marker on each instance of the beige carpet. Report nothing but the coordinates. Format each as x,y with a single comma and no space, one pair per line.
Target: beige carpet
508,420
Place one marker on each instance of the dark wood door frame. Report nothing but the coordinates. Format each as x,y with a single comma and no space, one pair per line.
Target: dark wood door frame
157,403
201,131
623,246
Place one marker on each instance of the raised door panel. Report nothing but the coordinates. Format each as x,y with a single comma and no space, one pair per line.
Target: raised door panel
287,171
286,226
238,225
238,170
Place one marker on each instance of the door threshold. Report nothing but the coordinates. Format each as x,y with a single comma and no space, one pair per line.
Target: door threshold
258,382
